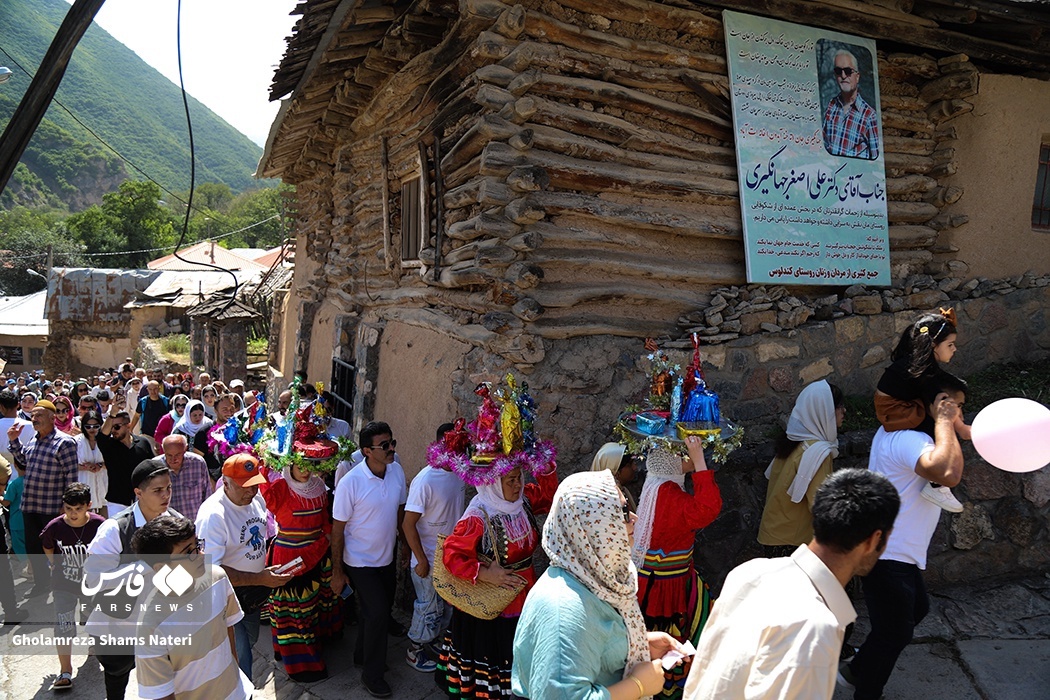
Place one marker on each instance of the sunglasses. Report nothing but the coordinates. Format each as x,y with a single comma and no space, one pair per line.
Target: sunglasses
181,405
192,553
61,410
385,446
93,426
845,71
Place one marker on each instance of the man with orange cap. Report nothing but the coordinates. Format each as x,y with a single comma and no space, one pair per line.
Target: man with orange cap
232,526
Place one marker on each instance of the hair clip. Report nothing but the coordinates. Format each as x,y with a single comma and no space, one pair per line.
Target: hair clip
924,330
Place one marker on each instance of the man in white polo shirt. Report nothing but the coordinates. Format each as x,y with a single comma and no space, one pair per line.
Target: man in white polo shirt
894,590
369,505
232,526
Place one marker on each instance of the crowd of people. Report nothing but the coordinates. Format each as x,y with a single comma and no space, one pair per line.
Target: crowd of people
101,475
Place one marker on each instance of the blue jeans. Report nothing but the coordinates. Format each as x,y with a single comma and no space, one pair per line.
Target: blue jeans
245,635
430,613
897,602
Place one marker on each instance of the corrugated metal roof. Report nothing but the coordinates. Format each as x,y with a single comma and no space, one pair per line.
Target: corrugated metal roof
23,315
94,295
185,288
205,252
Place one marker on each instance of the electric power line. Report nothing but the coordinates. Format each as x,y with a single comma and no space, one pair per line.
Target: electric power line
100,139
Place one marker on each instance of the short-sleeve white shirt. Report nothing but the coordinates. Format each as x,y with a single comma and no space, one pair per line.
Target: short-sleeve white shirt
894,455
439,497
234,536
368,505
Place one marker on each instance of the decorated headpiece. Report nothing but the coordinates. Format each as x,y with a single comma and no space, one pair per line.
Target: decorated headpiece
501,439
677,404
302,440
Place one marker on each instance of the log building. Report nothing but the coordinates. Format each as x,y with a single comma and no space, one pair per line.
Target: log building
536,186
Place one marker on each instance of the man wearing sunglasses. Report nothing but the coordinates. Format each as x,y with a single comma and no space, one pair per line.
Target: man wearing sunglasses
368,507
851,126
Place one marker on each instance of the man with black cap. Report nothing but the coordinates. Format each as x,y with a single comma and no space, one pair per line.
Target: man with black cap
111,550
231,523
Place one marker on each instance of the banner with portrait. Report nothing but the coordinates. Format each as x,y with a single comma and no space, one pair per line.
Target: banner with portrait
810,154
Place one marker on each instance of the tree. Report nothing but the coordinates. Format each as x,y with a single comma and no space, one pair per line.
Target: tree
254,206
26,236
128,220
212,195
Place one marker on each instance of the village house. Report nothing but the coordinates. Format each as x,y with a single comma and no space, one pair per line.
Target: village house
536,187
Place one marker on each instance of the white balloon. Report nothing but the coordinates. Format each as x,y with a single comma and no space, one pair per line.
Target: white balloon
1013,435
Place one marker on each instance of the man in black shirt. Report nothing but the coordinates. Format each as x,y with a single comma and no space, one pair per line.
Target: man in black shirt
122,451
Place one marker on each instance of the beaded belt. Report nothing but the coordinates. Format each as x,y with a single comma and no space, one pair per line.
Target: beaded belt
666,564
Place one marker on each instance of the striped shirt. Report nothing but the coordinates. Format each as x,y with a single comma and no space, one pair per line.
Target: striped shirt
50,464
187,652
851,131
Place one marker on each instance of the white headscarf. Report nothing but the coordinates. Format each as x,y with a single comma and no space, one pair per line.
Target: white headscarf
188,427
609,456
663,467
312,491
173,413
813,424
585,535
490,502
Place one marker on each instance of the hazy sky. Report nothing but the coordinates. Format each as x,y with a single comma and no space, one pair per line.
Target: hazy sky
229,50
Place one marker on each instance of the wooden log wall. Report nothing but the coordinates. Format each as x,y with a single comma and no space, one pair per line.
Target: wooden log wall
589,174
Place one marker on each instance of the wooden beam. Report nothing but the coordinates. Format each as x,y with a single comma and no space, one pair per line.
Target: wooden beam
652,14
853,21
42,89
549,29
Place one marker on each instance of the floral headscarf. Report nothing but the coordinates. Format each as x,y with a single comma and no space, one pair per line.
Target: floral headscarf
585,535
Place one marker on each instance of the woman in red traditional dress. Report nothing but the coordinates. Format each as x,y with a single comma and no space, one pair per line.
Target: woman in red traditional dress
303,611
475,658
673,597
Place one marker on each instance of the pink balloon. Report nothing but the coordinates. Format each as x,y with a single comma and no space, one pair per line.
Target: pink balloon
1013,435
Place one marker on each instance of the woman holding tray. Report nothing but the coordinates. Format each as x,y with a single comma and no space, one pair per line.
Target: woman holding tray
672,596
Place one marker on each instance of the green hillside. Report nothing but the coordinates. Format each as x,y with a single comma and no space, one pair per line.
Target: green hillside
128,103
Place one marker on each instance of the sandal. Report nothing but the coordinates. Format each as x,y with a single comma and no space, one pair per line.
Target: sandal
63,682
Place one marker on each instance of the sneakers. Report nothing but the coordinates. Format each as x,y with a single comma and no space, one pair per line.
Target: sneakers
845,678
17,616
942,497
419,660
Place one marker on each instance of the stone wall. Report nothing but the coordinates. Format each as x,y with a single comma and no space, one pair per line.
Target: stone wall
583,384
758,376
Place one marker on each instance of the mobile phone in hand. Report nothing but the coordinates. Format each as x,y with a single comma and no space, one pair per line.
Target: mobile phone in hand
292,567
347,592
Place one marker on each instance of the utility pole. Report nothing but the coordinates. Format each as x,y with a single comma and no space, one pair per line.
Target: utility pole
42,90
